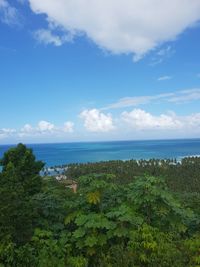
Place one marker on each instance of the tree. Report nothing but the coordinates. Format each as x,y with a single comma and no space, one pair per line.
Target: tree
19,182
25,167
153,200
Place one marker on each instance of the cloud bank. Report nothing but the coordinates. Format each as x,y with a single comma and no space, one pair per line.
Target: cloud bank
135,124
45,128
123,26
142,120
6,132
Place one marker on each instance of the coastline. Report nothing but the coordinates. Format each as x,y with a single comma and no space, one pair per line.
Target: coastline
83,152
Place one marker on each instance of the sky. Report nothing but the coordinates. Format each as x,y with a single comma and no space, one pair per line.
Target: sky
82,70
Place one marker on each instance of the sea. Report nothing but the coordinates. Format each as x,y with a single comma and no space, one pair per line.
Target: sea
82,152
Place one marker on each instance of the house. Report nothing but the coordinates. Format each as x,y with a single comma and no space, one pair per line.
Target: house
61,177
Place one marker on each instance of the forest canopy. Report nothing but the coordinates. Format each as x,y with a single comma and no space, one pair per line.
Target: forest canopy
123,214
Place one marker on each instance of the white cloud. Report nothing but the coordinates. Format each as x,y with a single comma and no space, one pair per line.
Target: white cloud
136,124
123,26
68,127
8,14
141,120
162,52
186,96
47,36
164,78
136,101
45,126
96,121
6,132
194,120
27,128
178,97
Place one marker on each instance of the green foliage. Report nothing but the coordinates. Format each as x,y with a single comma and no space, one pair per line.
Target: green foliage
125,218
181,176
158,206
19,182
7,250
150,247
51,205
23,163
93,197
192,248
123,214
77,262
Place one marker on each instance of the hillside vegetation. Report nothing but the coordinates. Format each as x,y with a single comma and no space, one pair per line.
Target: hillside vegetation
124,214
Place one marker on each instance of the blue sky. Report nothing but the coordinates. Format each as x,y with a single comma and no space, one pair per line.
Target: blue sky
70,71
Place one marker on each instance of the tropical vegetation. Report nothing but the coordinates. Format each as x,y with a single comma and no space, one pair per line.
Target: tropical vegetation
124,214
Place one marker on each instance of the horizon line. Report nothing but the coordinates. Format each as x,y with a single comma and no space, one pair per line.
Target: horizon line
104,141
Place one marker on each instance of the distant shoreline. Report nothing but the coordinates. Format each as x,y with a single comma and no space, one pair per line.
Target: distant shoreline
82,152
57,170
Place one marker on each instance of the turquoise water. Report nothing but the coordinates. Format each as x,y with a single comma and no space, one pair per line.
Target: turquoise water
57,154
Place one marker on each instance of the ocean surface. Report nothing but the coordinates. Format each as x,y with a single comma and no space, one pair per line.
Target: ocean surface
58,154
